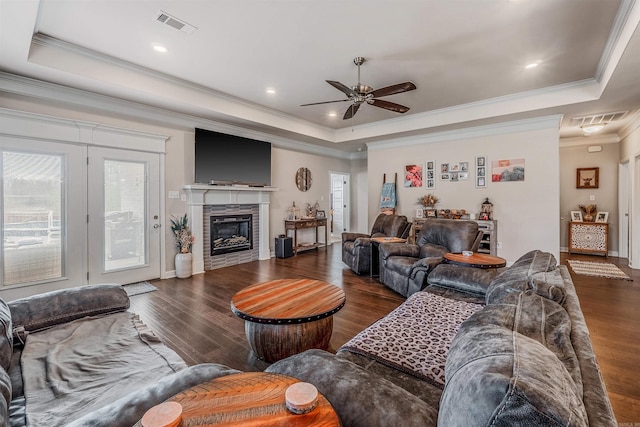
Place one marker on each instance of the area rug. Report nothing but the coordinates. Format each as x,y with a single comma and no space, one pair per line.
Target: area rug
139,288
597,269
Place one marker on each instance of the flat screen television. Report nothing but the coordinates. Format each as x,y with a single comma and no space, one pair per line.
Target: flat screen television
229,159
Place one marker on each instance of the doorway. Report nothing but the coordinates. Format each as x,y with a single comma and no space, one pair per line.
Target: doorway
623,210
124,216
76,214
339,213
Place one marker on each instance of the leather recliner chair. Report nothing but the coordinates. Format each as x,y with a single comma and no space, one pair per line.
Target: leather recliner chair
404,267
356,247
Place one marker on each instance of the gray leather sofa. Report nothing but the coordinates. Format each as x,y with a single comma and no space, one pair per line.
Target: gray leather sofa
356,247
77,357
522,357
405,267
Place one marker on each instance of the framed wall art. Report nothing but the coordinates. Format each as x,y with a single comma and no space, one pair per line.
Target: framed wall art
587,177
481,171
413,176
507,170
430,174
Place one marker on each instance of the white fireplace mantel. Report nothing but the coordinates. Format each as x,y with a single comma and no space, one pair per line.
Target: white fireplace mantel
200,195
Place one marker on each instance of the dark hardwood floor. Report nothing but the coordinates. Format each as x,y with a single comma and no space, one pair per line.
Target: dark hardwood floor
193,316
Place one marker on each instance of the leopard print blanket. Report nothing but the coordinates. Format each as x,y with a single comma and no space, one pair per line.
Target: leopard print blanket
415,337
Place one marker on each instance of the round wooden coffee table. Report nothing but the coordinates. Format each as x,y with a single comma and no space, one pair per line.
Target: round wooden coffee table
476,260
248,399
287,316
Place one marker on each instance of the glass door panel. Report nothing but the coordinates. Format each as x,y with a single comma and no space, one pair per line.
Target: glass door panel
124,211
124,214
32,226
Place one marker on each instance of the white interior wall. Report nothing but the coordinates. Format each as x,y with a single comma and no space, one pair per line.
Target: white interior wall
284,164
630,152
527,211
605,196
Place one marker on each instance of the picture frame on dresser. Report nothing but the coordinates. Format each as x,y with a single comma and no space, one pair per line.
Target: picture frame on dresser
602,217
576,216
431,213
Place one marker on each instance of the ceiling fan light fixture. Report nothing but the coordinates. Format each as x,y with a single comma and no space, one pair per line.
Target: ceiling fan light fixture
592,128
361,94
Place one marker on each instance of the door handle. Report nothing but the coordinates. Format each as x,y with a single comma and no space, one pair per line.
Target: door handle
156,225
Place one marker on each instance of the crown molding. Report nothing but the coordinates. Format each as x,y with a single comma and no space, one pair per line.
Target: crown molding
625,23
63,95
632,125
58,54
601,139
526,125
553,96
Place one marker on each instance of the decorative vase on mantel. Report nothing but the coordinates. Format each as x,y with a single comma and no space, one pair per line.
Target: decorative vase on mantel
184,265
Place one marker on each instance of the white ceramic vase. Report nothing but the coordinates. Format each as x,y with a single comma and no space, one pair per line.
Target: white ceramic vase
184,265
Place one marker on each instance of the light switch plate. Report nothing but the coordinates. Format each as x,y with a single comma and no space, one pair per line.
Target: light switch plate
174,194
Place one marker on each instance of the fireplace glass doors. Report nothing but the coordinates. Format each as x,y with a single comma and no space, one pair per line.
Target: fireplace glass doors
231,233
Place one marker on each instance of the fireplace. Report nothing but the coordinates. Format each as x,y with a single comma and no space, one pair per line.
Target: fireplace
231,233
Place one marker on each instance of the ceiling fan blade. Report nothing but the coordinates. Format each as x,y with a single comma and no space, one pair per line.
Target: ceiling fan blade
325,102
393,89
388,105
351,111
342,88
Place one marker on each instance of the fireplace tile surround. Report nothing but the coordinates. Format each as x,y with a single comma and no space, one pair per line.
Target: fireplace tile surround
205,200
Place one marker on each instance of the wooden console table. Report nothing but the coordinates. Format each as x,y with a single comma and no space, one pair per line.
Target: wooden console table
589,237
300,224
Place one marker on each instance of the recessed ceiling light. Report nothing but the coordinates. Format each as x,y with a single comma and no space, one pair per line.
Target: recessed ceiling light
160,48
271,90
332,114
533,64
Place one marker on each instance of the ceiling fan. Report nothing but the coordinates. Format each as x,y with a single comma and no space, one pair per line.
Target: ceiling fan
359,94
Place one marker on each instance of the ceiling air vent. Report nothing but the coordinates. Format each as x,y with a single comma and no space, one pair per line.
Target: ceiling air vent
174,22
598,118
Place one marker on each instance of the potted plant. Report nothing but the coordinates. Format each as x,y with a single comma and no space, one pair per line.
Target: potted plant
184,241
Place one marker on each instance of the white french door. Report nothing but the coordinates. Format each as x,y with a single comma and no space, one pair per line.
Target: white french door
66,221
43,221
124,216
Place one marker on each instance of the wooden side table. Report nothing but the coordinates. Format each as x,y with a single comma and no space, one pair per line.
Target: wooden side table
589,237
476,260
248,399
288,316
